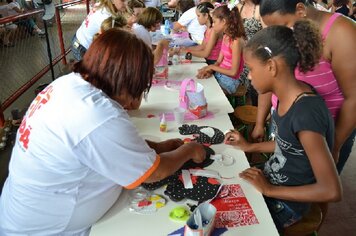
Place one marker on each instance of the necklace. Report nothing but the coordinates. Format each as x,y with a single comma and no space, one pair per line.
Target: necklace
303,94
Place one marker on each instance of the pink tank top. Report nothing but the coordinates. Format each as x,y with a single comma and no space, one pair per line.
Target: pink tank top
322,79
214,54
227,61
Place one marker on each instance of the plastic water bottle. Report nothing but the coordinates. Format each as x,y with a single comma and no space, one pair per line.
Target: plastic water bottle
167,27
175,59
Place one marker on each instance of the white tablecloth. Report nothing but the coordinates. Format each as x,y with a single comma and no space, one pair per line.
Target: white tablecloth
120,221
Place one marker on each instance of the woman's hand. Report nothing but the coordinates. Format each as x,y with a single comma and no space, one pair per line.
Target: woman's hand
235,138
256,177
165,146
172,144
197,151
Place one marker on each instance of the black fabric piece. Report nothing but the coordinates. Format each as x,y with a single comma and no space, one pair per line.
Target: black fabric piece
202,190
188,165
207,162
217,138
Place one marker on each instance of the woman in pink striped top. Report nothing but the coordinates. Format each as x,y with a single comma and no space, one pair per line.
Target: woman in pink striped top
230,63
334,76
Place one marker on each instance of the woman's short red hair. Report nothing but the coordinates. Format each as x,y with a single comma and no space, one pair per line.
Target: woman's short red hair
118,62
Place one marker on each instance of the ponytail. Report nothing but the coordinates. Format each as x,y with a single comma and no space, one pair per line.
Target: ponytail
309,44
206,8
235,28
301,46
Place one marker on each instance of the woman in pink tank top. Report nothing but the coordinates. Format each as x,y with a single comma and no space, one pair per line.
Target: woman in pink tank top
210,48
229,65
333,78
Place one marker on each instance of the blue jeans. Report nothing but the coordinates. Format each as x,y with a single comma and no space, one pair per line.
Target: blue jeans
227,83
282,215
345,151
78,50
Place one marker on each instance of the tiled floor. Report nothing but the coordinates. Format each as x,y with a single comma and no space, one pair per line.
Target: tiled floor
341,218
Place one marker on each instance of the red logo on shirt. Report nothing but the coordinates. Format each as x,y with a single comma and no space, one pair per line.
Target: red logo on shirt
87,18
25,129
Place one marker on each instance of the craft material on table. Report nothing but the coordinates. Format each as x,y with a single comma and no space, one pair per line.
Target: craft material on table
147,205
233,209
188,165
203,134
187,116
180,214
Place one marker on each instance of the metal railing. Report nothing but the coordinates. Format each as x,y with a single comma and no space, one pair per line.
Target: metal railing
57,43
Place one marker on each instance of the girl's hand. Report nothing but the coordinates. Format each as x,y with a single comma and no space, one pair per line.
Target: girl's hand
258,133
235,138
335,153
182,50
172,51
201,73
204,72
163,43
256,177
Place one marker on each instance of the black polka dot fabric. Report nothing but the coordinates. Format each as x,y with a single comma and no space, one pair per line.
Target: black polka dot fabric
201,137
203,189
207,162
188,165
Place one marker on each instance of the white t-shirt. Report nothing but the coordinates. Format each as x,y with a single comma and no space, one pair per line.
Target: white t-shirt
74,151
190,21
142,33
152,3
91,25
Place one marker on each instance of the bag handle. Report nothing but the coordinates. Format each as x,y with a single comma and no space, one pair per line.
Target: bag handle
183,88
183,99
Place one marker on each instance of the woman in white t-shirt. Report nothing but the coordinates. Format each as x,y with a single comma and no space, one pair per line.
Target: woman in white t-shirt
150,21
77,148
91,25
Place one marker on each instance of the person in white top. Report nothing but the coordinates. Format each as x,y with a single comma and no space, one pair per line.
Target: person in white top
91,25
152,3
150,21
189,22
76,147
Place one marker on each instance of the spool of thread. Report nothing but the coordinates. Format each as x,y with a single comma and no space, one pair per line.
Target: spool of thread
188,56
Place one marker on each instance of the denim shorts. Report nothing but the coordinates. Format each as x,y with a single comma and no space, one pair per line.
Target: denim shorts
282,215
227,83
345,151
78,50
